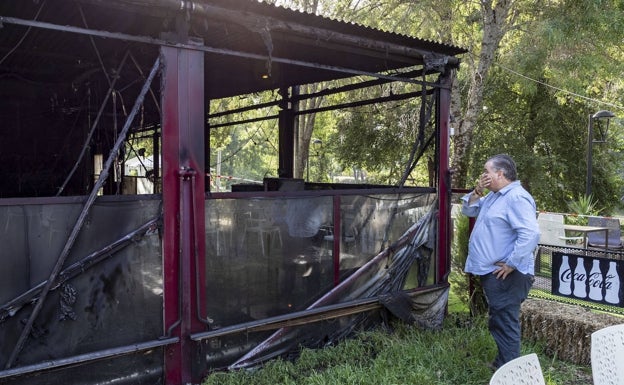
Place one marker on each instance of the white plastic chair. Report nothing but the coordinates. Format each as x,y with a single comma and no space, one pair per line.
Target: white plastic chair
552,231
607,355
524,370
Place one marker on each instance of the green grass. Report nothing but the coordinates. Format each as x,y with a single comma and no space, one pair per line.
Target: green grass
454,355
594,307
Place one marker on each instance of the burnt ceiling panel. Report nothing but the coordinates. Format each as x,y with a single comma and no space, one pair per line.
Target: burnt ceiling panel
237,35
59,59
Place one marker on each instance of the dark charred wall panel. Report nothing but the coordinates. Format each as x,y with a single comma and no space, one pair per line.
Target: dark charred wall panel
110,295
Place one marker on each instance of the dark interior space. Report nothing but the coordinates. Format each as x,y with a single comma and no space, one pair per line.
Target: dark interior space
71,70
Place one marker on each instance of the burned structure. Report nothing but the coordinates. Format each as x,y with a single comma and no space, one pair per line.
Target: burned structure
101,284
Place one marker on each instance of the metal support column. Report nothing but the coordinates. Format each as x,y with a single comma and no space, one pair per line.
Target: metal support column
443,116
286,136
183,201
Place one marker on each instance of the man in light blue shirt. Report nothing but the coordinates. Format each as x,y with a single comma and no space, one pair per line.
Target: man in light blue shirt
501,249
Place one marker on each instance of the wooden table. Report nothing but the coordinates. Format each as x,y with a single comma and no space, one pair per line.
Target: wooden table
588,229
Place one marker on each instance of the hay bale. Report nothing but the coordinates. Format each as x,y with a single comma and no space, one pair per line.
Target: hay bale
564,329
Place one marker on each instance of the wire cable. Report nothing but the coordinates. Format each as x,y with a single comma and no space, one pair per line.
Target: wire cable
21,40
560,89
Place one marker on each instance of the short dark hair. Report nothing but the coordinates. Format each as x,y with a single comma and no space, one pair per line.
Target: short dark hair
505,163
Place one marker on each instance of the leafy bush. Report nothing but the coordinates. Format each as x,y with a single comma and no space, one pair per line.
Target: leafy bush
583,206
460,281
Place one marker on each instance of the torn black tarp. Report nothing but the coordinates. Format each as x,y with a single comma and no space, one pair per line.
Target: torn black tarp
381,278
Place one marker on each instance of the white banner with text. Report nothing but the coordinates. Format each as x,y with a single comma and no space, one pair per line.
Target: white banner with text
587,278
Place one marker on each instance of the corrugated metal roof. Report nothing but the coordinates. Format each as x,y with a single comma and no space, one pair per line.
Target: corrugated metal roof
343,26
239,36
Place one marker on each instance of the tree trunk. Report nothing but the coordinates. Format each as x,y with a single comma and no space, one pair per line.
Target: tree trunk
496,22
305,123
305,129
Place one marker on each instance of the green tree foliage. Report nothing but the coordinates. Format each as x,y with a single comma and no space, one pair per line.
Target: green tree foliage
465,287
557,63
248,149
379,139
554,64
540,96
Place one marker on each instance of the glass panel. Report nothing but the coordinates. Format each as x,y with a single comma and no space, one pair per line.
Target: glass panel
272,256
371,223
380,278
265,257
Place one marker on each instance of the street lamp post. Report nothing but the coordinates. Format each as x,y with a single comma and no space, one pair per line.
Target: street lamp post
602,114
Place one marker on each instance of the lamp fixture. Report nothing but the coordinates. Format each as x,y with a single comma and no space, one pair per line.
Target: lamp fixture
602,132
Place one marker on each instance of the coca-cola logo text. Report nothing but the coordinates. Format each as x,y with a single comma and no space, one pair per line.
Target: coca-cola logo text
595,279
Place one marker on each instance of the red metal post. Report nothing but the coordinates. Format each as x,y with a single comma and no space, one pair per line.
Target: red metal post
183,202
444,176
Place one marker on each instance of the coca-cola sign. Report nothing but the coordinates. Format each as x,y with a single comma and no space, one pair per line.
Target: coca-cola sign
587,278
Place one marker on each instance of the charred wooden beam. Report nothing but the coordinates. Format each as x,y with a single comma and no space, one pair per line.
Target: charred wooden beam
88,357
203,48
359,103
304,317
